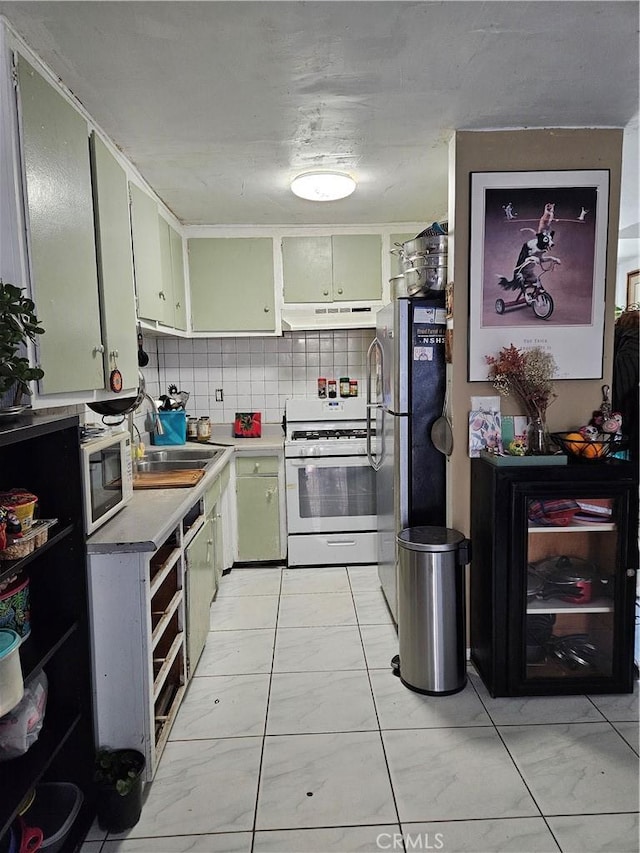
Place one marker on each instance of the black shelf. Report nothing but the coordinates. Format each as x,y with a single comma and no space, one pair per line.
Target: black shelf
30,768
582,648
37,650
8,568
42,454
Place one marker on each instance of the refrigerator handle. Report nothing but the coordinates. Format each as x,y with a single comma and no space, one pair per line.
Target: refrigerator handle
375,345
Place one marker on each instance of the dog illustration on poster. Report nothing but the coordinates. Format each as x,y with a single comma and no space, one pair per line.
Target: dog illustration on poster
537,240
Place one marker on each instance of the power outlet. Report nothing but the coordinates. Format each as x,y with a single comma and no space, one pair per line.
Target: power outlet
219,395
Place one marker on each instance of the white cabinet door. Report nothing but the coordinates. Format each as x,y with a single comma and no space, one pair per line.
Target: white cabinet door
115,264
62,251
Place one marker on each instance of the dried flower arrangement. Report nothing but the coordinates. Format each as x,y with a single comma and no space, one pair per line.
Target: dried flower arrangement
526,373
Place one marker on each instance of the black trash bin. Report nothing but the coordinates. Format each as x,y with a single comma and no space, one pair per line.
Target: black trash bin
431,609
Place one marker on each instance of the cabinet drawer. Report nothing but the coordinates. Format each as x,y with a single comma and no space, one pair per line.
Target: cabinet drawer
255,466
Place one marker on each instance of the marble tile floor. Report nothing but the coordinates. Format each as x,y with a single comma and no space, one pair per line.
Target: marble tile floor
295,737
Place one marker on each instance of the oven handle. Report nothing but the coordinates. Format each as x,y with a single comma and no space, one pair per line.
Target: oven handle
311,459
375,464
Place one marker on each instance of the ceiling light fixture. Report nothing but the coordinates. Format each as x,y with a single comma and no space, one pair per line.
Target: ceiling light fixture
323,186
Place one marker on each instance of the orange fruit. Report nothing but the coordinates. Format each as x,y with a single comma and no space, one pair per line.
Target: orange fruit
574,442
597,449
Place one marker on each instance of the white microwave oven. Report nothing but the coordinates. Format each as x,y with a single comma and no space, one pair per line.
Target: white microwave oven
107,472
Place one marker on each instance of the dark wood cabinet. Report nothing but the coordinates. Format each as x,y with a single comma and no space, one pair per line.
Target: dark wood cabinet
553,577
43,455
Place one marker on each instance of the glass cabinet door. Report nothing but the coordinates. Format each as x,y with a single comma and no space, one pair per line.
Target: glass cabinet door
574,583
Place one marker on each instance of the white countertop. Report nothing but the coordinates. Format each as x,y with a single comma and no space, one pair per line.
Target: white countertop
150,516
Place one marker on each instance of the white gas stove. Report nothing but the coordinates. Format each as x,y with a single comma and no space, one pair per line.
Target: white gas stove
330,486
325,427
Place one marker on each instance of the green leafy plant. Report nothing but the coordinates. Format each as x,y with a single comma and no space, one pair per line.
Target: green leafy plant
118,768
18,323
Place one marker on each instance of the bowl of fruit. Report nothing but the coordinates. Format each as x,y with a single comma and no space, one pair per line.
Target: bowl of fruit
585,446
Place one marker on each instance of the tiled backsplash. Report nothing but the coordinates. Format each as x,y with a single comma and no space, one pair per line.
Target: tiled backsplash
255,374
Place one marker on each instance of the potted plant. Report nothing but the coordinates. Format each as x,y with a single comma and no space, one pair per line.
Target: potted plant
118,780
18,323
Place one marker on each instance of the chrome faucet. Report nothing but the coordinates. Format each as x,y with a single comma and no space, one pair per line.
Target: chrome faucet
157,422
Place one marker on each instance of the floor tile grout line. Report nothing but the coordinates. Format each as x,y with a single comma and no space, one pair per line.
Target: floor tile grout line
499,734
375,708
266,718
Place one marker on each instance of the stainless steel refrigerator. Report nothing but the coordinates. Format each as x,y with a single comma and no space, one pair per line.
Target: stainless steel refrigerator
406,378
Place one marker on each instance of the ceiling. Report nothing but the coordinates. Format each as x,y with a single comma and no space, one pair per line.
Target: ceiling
220,104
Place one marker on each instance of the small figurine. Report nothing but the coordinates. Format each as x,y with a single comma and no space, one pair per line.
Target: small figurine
602,414
518,446
589,432
613,424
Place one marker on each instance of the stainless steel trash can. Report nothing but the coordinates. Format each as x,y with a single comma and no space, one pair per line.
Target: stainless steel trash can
431,609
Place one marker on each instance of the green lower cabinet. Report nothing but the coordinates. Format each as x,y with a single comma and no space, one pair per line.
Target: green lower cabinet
200,579
218,545
258,508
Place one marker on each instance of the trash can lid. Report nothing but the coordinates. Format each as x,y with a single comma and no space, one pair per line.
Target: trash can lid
430,539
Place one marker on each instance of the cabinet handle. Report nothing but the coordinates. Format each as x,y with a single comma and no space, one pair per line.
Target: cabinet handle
266,309
256,467
161,295
114,353
340,291
325,292
269,494
98,349
631,573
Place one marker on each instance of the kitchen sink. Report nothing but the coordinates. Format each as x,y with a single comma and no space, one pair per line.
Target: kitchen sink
147,464
189,453
160,461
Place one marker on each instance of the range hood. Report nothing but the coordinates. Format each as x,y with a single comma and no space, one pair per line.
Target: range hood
300,317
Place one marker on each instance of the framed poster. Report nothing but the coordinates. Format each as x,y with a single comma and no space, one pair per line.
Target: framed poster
633,287
538,251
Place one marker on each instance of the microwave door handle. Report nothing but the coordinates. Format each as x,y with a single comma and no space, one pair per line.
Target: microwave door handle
375,345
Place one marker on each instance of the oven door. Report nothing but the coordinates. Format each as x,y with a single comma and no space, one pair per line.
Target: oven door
330,494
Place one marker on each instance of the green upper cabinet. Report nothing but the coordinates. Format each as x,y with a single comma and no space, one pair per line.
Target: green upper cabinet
307,269
173,308
179,291
339,268
115,263
231,284
62,250
147,260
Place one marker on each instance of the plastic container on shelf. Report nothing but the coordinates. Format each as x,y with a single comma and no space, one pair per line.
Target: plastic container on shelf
11,684
22,545
22,503
54,809
14,607
20,728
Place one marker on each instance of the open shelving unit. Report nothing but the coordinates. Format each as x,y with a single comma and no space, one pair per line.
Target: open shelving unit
43,454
